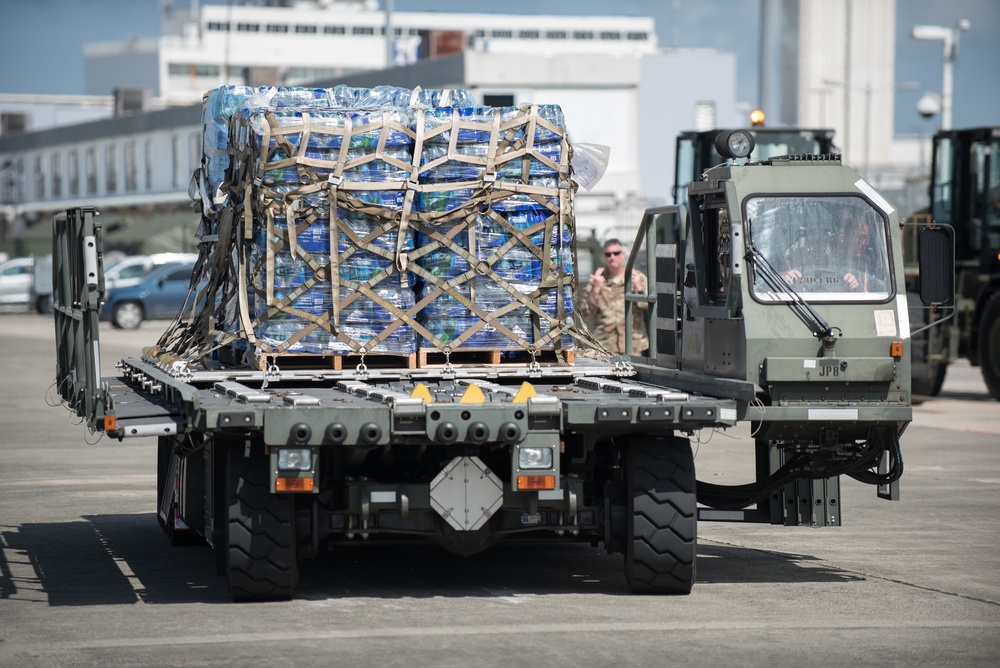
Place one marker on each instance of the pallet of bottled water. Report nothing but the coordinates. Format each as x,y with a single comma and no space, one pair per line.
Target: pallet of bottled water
407,227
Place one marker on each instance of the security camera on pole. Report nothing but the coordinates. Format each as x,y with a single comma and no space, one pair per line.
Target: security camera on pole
949,36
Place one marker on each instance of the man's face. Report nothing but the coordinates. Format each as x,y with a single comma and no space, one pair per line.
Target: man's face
855,237
614,257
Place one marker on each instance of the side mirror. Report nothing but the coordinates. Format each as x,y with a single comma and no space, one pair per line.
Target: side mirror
937,265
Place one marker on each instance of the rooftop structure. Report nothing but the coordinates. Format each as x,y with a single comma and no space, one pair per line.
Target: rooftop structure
296,43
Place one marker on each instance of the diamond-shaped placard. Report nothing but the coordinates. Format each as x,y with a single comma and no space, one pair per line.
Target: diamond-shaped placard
466,493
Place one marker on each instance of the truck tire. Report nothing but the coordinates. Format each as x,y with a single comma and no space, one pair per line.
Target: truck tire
260,531
661,546
989,346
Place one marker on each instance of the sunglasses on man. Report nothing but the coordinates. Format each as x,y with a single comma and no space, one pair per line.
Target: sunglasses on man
612,253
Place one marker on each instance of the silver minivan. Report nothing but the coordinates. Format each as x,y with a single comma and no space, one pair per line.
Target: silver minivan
15,280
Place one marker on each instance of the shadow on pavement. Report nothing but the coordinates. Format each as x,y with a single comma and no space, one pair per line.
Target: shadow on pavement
125,559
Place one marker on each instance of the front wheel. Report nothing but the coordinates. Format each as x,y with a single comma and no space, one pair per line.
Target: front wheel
127,315
989,346
260,531
661,546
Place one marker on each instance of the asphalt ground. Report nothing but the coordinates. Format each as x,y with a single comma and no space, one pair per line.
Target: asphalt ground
88,579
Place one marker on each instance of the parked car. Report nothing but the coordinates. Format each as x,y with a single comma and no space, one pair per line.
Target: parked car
15,280
160,294
41,284
133,268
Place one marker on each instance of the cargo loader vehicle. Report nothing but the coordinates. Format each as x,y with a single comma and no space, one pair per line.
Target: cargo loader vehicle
271,452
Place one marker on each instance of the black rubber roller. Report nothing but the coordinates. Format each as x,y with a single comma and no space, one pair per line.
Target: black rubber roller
479,433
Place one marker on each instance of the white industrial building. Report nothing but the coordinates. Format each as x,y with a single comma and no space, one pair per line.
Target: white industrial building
297,42
616,86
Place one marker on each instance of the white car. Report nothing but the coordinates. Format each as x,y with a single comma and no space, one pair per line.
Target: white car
133,268
15,280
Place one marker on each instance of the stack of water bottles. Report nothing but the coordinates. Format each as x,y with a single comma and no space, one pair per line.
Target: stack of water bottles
314,297
487,266
363,203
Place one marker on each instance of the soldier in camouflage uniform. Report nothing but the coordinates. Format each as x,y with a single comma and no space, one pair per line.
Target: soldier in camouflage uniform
603,303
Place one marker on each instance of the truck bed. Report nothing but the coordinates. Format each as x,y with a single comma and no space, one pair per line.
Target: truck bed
148,398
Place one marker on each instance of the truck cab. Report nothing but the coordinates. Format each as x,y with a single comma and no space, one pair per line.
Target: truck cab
780,284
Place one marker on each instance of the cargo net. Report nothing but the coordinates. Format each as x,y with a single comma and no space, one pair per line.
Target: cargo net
386,231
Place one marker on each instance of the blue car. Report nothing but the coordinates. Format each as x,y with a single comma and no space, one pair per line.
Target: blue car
160,294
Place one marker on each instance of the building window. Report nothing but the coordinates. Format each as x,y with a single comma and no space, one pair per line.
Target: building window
637,36
583,34
247,27
219,26
130,167
333,30
556,34
190,69
528,34
501,34
149,164
498,100
277,27
91,166
308,30
611,34
39,178
56,174
175,160
73,172
111,168
362,30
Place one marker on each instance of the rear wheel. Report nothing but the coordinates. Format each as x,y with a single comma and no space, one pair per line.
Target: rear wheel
989,346
662,516
43,304
260,531
127,315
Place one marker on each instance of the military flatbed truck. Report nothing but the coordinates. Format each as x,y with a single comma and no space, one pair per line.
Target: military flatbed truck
272,465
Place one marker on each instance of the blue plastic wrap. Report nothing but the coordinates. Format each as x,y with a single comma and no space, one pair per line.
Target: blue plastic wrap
512,169
371,171
434,119
449,200
253,122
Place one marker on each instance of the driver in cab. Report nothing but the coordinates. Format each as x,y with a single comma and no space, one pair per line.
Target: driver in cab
849,251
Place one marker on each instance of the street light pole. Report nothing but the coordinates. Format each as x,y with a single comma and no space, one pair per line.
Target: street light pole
949,37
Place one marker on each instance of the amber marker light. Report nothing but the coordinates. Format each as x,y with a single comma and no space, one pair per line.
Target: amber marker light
530,482
294,484
757,117
110,422
896,349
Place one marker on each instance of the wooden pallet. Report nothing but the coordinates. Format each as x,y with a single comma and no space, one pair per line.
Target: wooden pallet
336,362
430,357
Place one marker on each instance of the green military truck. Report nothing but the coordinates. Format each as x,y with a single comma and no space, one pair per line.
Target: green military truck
964,194
756,294
273,462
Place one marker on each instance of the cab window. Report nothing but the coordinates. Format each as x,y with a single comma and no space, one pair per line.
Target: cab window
824,248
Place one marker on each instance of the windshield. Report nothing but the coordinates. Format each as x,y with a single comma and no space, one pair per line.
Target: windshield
826,248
